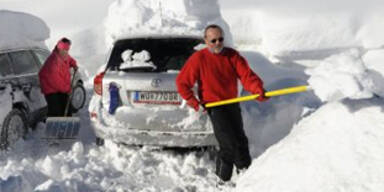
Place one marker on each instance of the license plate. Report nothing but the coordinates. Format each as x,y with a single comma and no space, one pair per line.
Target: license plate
152,97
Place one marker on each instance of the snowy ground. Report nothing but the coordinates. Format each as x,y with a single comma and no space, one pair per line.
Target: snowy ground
39,165
329,139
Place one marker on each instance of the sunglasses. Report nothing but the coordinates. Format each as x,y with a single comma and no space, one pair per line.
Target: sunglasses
220,39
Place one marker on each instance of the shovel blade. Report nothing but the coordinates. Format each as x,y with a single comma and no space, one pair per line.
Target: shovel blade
62,128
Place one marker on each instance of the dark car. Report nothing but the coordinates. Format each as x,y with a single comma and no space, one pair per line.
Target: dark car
23,104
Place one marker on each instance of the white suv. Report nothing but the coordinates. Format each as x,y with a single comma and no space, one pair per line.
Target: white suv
135,98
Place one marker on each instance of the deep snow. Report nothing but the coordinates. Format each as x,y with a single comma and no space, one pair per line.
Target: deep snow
25,30
299,142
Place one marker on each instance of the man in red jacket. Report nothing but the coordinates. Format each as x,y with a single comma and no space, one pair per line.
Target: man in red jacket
55,78
216,69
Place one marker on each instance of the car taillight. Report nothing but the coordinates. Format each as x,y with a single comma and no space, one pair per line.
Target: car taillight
93,115
98,83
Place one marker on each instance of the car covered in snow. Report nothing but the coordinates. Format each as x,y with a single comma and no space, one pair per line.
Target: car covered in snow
135,98
23,104
22,54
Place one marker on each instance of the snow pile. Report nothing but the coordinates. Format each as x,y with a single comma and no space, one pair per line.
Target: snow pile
107,168
337,148
283,34
348,75
334,148
140,59
292,35
22,30
341,76
155,17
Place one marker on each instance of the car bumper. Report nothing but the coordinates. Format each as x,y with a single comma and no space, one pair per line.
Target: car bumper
155,138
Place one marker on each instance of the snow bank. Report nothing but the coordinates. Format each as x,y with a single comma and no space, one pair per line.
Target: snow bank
21,30
289,35
155,17
337,148
283,34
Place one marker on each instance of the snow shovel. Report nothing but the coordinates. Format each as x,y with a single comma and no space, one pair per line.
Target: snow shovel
278,92
63,127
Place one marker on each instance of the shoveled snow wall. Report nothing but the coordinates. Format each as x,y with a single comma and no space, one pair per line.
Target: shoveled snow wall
130,18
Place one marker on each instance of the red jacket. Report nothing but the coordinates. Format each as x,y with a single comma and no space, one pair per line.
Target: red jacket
55,76
216,76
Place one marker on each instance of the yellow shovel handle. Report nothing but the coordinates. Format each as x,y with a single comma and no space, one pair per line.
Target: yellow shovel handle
267,94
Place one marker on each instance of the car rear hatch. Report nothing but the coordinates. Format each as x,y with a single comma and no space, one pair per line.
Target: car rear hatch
148,95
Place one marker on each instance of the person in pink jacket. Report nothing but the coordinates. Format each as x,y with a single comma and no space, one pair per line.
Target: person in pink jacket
55,79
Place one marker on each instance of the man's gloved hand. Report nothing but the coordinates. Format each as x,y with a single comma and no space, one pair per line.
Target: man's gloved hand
261,93
193,103
196,105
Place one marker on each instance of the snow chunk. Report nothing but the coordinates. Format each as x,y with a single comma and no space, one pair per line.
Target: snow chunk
140,59
153,17
51,167
49,185
22,30
341,76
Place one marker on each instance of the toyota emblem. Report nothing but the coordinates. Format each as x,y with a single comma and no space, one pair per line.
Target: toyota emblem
156,82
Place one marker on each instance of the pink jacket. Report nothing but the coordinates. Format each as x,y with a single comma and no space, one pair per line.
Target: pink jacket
55,76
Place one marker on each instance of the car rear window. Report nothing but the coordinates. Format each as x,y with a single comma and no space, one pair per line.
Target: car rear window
165,53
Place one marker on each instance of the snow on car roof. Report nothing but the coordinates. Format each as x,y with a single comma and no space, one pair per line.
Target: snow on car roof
134,18
21,30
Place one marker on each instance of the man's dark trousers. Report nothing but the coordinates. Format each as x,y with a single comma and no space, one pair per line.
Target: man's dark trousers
228,127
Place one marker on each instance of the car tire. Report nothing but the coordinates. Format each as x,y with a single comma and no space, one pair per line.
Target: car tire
78,97
14,127
100,141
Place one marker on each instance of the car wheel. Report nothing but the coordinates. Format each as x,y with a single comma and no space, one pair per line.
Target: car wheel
14,128
78,97
99,141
